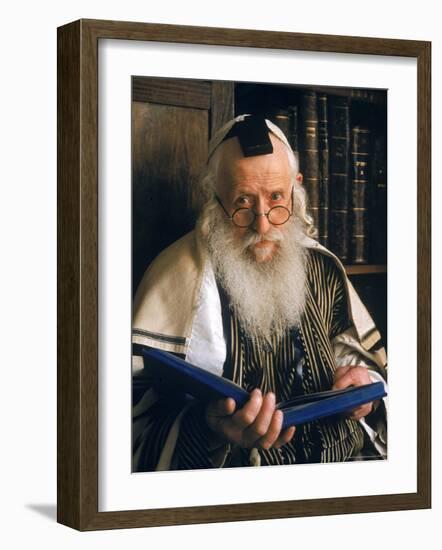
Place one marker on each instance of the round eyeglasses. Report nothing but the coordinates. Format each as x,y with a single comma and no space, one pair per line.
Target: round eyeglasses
245,217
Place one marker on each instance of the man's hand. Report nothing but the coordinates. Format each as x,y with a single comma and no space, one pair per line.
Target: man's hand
353,376
256,424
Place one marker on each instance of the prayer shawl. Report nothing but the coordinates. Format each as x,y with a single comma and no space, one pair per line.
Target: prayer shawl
177,308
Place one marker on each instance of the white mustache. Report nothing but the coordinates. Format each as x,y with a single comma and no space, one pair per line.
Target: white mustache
252,238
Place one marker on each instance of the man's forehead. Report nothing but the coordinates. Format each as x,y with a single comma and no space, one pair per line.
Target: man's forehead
236,182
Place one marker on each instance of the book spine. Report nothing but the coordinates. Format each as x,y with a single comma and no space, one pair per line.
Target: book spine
360,152
324,169
339,176
293,135
281,118
378,206
309,159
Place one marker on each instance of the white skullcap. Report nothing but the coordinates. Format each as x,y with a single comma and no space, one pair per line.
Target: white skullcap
219,136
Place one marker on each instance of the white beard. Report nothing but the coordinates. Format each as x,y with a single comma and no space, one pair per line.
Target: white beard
267,295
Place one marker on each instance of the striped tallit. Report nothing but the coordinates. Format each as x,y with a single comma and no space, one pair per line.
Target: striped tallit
301,361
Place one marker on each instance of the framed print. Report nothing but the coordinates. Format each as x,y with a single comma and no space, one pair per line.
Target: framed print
142,110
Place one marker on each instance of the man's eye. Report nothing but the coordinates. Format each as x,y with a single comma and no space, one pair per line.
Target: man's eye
276,196
243,201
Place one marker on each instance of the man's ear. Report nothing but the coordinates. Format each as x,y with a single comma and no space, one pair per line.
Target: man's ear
299,178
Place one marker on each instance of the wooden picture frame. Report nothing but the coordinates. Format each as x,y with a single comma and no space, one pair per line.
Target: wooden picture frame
78,274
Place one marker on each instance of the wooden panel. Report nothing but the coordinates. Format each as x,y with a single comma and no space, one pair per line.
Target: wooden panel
169,150
365,269
172,91
77,418
68,277
424,272
248,38
88,279
222,104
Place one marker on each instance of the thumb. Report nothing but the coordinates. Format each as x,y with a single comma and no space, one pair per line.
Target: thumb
340,372
218,411
220,408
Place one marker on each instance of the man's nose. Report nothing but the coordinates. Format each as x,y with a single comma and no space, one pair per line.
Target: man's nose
261,224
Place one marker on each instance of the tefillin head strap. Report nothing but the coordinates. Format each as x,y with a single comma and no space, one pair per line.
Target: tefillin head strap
253,136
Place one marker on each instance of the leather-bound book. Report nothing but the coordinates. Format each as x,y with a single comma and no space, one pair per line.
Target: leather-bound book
308,154
281,117
339,176
293,136
324,169
360,152
378,207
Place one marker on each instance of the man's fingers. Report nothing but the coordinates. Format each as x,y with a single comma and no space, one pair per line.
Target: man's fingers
256,424
273,431
218,411
245,416
341,371
285,437
223,407
361,412
344,381
351,376
262,421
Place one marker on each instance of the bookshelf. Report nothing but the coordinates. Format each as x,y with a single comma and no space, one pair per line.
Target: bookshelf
340,137
366,269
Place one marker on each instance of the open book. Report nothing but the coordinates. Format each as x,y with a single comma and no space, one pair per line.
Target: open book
164,367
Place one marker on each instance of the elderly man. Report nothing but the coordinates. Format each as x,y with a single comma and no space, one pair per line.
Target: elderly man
249,295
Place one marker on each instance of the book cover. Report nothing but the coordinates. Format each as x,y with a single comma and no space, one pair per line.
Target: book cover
165,368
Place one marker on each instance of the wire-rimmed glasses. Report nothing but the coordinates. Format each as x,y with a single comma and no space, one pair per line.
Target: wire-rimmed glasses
245,217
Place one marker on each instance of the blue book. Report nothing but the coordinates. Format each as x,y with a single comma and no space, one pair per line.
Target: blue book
165,367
